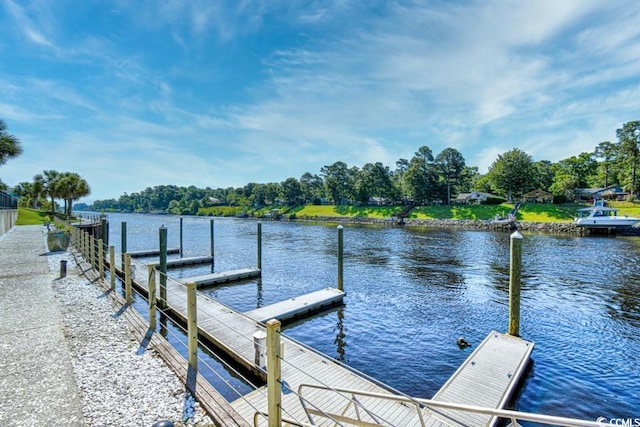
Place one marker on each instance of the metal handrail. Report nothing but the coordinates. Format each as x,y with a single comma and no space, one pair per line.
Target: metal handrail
514,416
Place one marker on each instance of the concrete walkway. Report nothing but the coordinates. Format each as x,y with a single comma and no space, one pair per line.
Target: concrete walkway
37,386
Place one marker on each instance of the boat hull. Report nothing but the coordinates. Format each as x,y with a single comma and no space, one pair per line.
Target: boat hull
607,223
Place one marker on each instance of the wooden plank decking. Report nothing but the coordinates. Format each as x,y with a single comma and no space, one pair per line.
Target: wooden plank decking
487,378
298,306
152,252
223,277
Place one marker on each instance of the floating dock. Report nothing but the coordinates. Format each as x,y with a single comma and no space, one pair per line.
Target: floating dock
185,262
298,307
152,252
223,277
488,377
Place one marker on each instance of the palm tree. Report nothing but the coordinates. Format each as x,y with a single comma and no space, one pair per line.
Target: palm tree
50,182
9,145
70,187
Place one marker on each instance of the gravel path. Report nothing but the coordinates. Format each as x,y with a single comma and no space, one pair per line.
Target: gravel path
119,384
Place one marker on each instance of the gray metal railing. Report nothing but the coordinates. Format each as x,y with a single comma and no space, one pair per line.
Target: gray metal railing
7,201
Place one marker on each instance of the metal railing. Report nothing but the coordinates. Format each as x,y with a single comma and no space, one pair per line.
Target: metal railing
424,404
7,201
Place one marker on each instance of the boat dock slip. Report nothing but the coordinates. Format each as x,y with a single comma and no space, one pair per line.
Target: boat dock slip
184,262
152,252
298,306
487,378
223,277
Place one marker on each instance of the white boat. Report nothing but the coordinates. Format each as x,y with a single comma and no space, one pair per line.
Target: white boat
603,217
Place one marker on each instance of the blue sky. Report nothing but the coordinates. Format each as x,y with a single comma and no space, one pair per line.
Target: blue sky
132,94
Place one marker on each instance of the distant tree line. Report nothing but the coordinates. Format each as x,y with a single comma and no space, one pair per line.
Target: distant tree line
422,179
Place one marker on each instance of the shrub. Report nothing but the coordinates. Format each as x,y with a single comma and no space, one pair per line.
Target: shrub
493,201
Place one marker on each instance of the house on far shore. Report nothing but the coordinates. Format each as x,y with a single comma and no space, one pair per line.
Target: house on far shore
590,194
537,196
473,198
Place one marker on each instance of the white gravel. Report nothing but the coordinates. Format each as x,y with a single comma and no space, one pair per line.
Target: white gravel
120,385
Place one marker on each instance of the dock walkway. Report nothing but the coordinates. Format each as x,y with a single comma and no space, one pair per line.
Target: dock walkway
298,306
223,277
302,367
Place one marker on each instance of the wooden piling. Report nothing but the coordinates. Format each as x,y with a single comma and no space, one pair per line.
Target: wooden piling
100,258
123,240
127,279
163,266
274,392
192,326
112,267
515,269
181,228
92,253
340,258
212,240
259,245
151,270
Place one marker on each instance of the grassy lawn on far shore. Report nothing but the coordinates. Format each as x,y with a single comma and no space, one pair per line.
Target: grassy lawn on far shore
30,217
528,212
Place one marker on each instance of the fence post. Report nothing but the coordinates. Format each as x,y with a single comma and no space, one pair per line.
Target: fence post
100,258
274,394
192,326
127,279
259,244
515,269
112,267
152,296
340,258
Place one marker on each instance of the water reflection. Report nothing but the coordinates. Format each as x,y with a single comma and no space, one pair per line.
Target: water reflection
411,292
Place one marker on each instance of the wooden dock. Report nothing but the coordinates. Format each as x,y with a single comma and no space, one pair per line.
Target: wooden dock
487,378
152,253
223,277
185,262
299,306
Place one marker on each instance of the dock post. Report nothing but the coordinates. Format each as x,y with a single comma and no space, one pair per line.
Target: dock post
112,267
105,235
259,244
181,237
123,241
340,258
274,394
92,249
163,266
152,296
127,278
260,347
100,258
211,239
515,269
192,326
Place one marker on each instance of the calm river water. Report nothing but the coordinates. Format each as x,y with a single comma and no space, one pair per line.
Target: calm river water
411,292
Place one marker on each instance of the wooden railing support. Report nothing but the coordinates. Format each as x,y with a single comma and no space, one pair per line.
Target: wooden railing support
127,279
112,267
100,258
151,270
192,326
274,393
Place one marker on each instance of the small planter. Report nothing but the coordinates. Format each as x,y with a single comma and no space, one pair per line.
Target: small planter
58,241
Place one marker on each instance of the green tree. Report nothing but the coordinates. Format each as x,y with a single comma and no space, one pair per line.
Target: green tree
421,177
291,191
450,164
512,173
629,138
336,181
543,175
9,145
70,187
311,188
608,152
